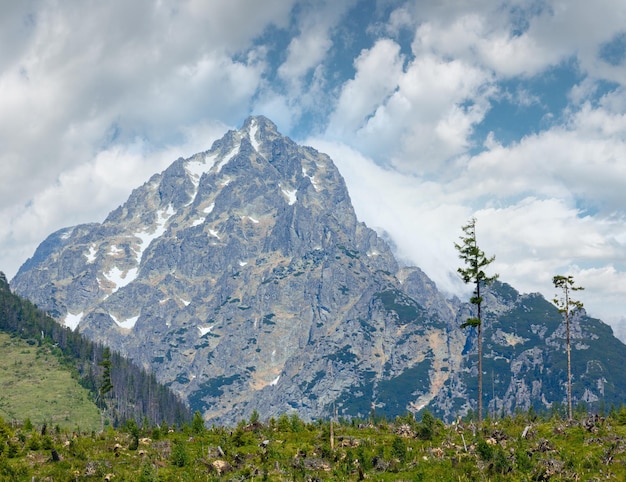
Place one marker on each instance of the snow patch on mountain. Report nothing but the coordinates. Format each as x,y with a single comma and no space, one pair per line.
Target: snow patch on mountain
291,195
226,159
145,237
72,321
91,255
195,168
207,210
128,323
312,179
204,330
120,278
254,128
114,250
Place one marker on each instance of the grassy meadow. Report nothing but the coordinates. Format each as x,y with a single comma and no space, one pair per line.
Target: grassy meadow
35,385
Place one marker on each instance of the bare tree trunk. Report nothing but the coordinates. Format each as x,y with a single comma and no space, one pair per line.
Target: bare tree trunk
569,370
567,306
332,430
480,374
480,358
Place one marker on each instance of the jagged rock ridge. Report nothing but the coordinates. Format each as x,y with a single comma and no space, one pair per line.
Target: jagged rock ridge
243,278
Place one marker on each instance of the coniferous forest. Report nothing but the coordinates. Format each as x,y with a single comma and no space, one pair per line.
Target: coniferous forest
130,393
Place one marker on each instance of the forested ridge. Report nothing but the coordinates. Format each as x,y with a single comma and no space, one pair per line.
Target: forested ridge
133,393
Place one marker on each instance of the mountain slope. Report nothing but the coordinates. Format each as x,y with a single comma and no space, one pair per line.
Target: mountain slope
243,278
524,360
35,385
59,352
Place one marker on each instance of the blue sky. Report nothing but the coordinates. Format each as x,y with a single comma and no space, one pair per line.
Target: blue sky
434,111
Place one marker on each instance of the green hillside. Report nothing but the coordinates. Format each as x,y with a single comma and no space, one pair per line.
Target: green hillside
134,394
36,386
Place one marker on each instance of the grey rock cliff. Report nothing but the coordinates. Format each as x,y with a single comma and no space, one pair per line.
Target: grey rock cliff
243,278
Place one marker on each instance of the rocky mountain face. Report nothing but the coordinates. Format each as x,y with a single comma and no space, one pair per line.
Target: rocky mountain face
243,278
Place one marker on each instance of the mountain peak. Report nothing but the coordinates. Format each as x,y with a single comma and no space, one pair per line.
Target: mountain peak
230,265
255,139
242,277
260,122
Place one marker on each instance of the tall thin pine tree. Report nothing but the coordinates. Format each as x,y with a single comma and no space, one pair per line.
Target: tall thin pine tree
568,307
476,261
